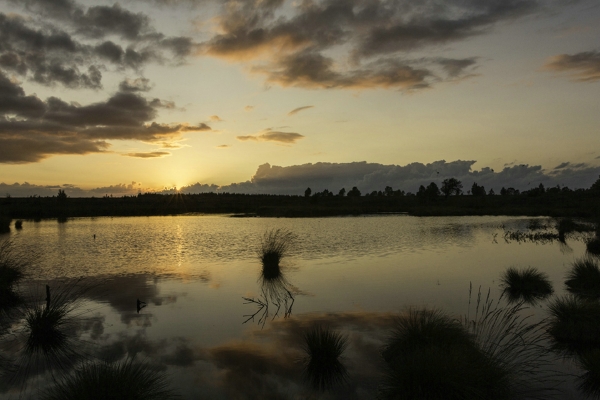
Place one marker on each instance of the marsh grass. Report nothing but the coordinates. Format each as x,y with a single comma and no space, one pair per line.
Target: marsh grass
584,279
13,266
275,245
432,356
574,324
323,369
593,245
47,336
528,285
123,380
516,344
589,381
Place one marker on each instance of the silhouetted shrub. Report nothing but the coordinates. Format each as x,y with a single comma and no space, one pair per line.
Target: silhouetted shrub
119,381
529,285
584,279
18,224
323,368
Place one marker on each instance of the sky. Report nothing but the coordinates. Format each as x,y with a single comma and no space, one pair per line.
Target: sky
271,96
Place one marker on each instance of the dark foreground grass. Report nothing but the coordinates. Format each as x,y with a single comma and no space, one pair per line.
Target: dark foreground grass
574,324
528,285
124,380
431,356
275,245
13,266
589,381
593,246
323,369
584,279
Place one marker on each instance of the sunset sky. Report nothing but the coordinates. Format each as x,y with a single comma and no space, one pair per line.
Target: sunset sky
105,97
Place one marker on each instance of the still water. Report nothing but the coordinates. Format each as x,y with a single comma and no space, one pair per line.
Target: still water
195,273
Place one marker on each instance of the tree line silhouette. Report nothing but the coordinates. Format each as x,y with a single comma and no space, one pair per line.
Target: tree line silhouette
447,199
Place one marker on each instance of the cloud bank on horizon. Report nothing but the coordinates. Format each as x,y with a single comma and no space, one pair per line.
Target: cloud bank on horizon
293,180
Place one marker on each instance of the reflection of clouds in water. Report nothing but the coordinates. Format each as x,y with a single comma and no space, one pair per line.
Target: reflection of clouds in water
263,363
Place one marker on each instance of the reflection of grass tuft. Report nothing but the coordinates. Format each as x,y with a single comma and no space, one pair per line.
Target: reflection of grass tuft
574,324
431,356
584,278
323,368
13,264
123,380
275,245
529,285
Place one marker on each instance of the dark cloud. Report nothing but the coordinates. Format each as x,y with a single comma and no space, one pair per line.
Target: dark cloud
273,136
297,110
153,154
373,39
583,67
63,42
135,85
32,129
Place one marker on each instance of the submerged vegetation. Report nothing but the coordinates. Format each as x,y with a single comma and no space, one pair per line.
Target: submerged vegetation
529,285
123,380
323,368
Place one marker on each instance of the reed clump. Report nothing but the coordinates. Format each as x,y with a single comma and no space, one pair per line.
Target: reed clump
584,279
323,369
574,324
431,356
529,285
276,244
589,381
124,380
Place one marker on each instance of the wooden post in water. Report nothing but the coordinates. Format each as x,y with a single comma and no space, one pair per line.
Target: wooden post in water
47,296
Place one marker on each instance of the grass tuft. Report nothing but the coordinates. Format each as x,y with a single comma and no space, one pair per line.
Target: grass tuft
323,368
431,356
584,279
275,245
593,246
574,324
13,266
528,285
589,381
124,380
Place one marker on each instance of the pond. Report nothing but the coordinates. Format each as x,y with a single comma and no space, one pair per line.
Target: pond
207,321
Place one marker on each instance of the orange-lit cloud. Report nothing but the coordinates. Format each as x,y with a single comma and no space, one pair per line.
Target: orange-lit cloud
583,67
215,118
273,136
297,110
153,154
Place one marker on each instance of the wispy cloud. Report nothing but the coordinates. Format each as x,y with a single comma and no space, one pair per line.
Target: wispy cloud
297,110
215,118
248,108
153,154
273,136
583,67
223,146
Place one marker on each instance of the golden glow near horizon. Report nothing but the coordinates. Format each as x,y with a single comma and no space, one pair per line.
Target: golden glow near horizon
150,102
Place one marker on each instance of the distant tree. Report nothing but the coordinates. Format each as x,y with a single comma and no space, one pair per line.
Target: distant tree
354,192
509,192
491,192
431,192
62,196
477,190
389,191
451,186
595,186
342,192
307,192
